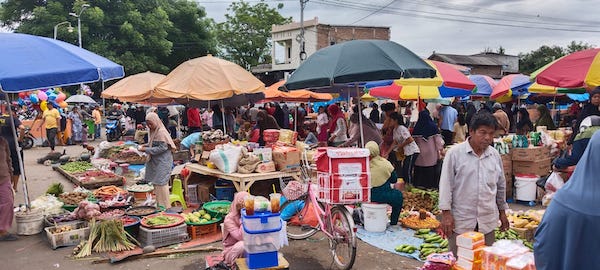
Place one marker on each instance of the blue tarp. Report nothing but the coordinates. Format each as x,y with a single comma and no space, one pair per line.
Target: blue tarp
392,237
30,62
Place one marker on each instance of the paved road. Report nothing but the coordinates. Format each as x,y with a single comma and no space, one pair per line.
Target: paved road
33,252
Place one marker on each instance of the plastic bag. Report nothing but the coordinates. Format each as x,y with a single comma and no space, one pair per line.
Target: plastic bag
554,182
226,157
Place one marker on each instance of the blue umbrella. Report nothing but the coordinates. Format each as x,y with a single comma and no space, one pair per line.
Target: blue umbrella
31,62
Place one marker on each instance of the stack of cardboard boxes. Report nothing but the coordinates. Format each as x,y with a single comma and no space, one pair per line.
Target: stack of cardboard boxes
532,160
470,251
507,171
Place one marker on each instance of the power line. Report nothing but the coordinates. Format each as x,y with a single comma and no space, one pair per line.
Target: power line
374,12
450,17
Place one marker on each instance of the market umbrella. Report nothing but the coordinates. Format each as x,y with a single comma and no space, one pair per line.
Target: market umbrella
448,82
356,62
272,93
545,89
511,85
80,99
483,85
32,62
209,78
577,70
135,88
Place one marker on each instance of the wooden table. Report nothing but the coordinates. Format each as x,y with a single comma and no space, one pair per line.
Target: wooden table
241,181
283,263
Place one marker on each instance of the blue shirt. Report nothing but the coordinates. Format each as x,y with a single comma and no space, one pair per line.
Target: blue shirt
190,139
449,116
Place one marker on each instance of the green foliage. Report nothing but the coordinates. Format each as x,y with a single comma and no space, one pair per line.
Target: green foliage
245,35
531,61
142,36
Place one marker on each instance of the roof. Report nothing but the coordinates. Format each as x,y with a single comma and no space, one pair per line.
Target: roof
494,54
470,60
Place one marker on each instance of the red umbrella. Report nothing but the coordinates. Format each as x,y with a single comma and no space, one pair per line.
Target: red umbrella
576,70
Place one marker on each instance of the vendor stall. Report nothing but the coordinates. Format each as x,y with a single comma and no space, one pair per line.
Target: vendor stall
241,181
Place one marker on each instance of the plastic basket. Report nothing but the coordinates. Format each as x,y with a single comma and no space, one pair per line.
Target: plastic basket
339,188
254,240
70,238
192,194
224,192
30,223
211,208
163,237
195,231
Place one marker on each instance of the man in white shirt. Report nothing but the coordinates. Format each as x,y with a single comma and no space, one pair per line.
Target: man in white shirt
472,184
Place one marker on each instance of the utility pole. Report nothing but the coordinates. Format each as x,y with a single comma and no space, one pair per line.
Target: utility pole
300,38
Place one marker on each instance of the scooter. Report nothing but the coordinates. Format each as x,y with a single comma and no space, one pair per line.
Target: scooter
114,129
28,139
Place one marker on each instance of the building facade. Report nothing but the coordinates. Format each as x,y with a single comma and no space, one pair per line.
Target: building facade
487,63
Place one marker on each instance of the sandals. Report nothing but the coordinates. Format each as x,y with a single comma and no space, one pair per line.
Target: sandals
8,237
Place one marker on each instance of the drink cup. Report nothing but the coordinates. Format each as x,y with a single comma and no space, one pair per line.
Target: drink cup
249,205
275,199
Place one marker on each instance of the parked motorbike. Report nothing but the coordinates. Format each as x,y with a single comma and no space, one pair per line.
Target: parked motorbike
114,129
28,139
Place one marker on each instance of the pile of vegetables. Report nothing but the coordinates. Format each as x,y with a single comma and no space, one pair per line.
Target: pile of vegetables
87,210
420,220
415,198
159,220
48,204
72,198
109,192
112,214
511,234
432,243
61,229
60,218
55,189
76,166
140,188
105,236
198,217
214,136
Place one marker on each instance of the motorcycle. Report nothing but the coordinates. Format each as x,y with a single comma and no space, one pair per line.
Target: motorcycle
28,139
114,129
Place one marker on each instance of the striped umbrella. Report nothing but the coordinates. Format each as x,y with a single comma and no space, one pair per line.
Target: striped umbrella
577,70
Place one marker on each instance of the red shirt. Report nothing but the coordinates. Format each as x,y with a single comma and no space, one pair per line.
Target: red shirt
193,115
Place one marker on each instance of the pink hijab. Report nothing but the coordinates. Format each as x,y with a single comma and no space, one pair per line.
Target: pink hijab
234,215
160,133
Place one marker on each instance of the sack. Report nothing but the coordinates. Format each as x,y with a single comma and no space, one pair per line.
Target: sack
226,157
248,164
554,182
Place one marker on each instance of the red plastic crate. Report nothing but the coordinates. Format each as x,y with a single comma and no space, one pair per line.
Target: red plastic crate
195,231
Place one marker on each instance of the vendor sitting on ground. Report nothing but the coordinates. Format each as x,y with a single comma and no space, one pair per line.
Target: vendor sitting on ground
382,176
587,128
189,143
233,243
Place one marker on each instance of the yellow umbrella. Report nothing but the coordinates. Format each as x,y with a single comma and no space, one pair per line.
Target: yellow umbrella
367,97
134,88
208,78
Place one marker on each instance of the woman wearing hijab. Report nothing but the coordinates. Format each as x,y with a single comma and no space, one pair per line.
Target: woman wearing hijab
567,237
588,127
337,126
264,121
217,117
278,114
545,118
233,241
76,124
427,167
524,126
322,125
471,110
370,131
160,158
383,175
387,131
286,116
590,108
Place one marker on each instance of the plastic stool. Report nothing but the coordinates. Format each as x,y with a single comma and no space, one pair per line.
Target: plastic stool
177,193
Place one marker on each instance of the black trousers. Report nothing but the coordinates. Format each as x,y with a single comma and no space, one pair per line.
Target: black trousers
51,135
448,136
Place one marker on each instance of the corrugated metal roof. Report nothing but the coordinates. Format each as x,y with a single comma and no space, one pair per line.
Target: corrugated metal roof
469,60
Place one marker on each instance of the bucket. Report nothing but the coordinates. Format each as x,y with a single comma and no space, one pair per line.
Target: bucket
375,216
526,189
29,223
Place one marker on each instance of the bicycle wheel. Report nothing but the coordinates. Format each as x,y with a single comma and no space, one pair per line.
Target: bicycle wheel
298,230
343,244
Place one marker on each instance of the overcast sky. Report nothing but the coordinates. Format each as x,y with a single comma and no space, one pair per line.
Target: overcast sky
456,26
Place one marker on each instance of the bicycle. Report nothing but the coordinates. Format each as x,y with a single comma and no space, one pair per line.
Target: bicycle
334,220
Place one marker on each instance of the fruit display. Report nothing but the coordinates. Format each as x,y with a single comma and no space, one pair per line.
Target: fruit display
528,220
420,220
72,198
198,218
76,166
511,234
415,198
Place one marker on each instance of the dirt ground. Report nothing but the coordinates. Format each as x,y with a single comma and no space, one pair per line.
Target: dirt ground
34,252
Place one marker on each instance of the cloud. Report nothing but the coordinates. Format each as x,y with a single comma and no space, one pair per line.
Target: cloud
425,26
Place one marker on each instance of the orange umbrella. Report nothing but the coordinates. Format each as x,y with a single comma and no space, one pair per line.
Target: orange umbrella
135,88
272,93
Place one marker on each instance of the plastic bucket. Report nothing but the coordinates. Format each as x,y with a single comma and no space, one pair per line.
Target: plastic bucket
29,223
526,189
375,216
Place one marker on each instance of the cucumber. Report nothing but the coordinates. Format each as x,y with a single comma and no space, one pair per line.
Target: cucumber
423,231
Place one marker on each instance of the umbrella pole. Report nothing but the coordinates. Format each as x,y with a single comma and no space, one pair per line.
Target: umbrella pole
14,133
360,116
296,119
103,102
223,114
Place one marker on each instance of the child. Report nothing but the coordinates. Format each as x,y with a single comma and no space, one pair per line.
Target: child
84,132
233,241
311,138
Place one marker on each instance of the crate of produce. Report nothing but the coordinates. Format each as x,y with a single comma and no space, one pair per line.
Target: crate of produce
196,231
217,209
67,235
163,237
224,192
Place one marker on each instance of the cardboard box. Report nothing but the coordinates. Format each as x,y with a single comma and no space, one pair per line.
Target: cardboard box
286,158
509,185
539,167
470,254
530,154
507,163
265,167
205,189
465,264
470,240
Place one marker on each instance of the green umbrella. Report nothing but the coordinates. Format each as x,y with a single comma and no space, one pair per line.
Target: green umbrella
358,61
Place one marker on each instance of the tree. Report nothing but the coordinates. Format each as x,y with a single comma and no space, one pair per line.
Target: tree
140,35
244,36
532,61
